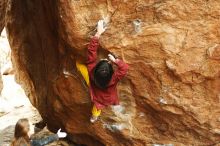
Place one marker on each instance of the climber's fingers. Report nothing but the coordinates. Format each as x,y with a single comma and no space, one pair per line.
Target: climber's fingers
101,24
101,27
111,57
105,25
105,28
114,55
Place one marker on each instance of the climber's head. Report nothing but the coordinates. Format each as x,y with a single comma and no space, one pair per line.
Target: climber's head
103,73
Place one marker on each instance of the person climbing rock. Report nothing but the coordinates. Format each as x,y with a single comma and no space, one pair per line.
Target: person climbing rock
103,79
21,135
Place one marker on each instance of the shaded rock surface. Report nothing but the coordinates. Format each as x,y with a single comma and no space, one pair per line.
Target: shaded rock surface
3,5
5,63
171,94
1,84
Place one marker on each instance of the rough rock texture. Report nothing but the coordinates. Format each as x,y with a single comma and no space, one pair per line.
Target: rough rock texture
2,24
1,84
2,14
172,91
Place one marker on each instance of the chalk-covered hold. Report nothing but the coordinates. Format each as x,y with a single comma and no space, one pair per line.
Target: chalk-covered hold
214,52
137,25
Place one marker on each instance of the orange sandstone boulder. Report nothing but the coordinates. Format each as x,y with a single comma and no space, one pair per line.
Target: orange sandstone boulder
2,24
171,94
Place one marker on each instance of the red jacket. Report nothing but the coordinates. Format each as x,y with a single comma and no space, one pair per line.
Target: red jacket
108,96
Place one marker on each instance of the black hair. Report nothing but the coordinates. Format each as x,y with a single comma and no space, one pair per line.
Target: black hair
103,72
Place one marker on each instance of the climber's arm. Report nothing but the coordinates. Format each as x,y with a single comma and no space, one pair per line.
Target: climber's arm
121,70
92,53
93,46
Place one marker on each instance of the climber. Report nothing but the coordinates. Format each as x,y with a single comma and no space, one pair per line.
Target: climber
21,135
102,78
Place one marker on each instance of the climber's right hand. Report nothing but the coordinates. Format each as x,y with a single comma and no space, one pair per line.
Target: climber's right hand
100,28
111,58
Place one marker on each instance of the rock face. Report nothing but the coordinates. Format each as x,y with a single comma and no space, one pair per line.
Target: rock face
3,4
171,94
1,84
2,24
